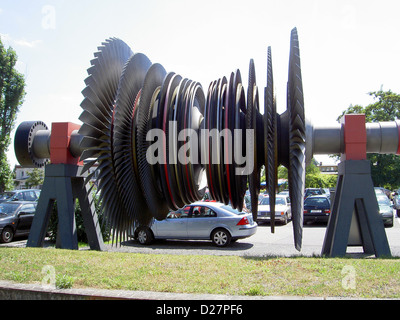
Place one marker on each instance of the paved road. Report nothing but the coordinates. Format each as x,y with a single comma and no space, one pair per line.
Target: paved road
263,243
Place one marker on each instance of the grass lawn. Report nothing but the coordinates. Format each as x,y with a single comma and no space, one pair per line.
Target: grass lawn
232,275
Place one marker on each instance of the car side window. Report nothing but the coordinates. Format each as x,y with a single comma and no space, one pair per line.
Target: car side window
210,213
181,213
29,196
203,212
19,196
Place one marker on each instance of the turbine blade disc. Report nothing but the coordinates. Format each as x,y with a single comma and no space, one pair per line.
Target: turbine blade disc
98,108
251,152
149,100
124,150
297,141
270,139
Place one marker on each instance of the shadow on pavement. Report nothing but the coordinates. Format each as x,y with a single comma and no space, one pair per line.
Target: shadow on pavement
188,245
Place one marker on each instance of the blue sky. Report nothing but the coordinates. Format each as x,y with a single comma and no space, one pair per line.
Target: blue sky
348,47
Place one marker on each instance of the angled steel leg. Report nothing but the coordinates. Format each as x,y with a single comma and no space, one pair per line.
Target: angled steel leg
355,218
89,215
65,183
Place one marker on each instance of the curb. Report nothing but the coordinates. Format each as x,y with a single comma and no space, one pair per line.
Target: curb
16,291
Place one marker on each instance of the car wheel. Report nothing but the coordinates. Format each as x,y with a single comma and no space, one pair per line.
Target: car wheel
144,236
7,235
221,237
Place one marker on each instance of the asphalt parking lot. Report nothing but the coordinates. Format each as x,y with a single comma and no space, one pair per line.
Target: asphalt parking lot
263,243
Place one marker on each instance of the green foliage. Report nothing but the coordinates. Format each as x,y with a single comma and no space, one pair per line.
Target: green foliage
6,175
12,94
282,172
385,169
35,178
80,228
315,179
321,181
386,107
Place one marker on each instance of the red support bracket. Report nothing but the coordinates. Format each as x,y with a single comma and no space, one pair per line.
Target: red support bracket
355,137
60,142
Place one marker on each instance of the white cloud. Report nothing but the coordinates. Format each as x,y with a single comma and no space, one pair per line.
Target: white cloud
7,39
1,10
25,43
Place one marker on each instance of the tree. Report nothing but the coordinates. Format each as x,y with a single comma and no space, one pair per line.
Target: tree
12,93
35,179
6,175
385,169
316,179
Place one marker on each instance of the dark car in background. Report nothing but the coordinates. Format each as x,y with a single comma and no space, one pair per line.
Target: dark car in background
15,219
20,195
317,209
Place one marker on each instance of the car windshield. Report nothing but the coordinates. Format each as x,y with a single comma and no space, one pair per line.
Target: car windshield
230,209
278,201
8,208
6,195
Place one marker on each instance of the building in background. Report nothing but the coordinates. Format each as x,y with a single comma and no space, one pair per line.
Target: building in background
21,176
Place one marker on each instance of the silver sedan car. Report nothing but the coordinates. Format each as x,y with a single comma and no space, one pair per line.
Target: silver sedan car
201,221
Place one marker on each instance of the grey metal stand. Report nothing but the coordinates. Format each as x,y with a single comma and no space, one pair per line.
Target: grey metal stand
65,183
355,219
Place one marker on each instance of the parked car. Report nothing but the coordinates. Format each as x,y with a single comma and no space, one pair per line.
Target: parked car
283,210
213,221
20,195
385,210
317,208
15,219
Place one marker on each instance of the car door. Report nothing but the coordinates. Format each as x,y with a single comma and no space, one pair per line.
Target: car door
25,217
201,223
174,226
